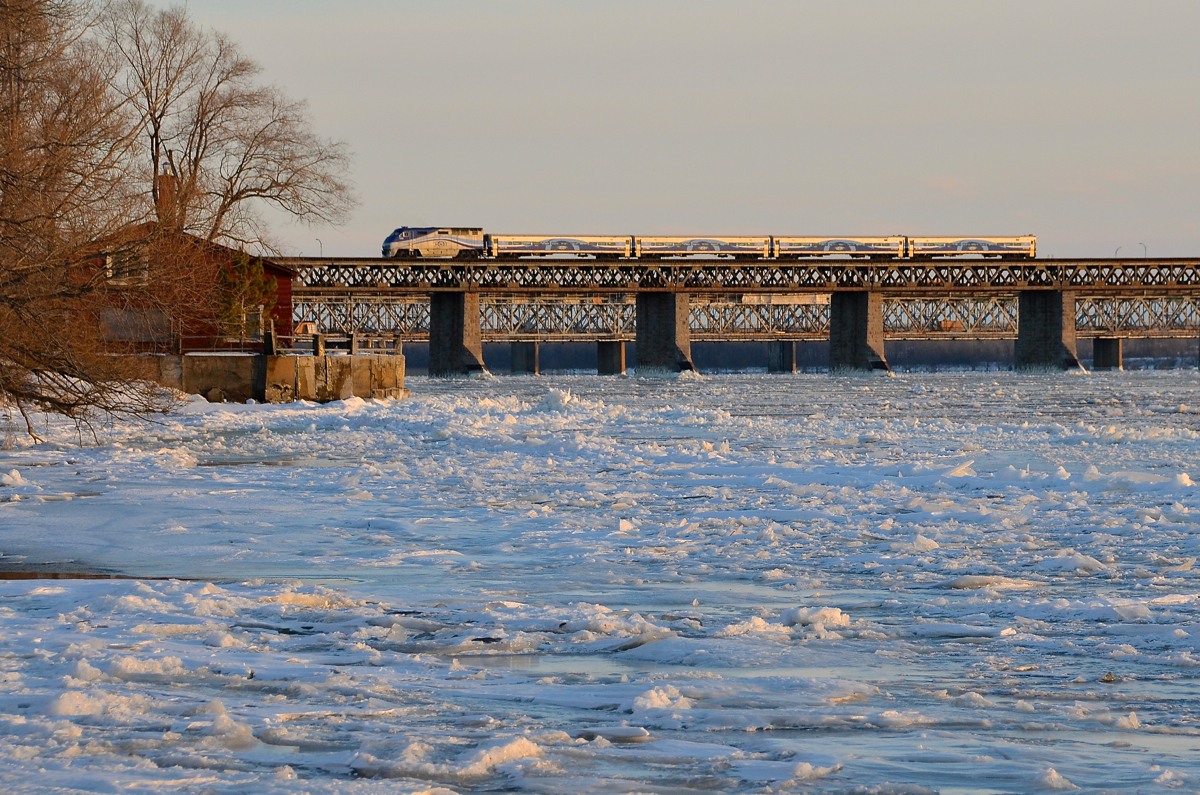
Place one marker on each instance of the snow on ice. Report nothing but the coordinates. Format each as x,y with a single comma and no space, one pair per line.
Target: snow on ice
957,582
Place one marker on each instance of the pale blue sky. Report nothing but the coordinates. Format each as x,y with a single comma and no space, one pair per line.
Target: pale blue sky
1075,121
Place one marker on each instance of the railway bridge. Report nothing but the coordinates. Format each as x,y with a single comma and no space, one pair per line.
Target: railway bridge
457,304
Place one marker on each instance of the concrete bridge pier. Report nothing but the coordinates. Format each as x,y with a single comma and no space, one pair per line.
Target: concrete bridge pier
1107,353
856,333
663,333
525,358
610,357
455,341
1046,331
781,357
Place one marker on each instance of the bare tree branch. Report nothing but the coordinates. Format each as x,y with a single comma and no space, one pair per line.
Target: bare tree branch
235,146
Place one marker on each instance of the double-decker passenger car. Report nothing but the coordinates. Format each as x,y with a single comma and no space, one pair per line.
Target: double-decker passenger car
541,245
919,247
706,246
832,246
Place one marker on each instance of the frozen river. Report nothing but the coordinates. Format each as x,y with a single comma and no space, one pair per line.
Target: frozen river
976,582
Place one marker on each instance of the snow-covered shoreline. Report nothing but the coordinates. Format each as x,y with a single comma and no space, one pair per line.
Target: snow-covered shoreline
966,582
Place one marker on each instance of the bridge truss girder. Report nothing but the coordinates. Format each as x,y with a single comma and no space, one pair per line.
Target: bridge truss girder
557,318
715,276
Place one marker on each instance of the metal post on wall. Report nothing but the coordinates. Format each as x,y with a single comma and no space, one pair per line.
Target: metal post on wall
270,344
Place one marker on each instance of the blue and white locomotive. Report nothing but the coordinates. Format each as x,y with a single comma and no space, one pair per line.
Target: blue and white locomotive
471,243
433,241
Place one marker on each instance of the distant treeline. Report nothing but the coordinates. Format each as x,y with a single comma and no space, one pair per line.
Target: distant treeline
814,356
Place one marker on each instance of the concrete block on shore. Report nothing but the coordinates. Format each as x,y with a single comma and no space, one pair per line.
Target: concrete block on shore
277,379
281,384
236,378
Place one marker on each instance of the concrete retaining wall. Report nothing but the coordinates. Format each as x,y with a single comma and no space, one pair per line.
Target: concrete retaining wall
277,379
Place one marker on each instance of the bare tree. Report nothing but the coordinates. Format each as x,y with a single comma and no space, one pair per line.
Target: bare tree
234,146
66,146
96,105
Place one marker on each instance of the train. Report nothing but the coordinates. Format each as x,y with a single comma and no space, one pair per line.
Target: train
472,243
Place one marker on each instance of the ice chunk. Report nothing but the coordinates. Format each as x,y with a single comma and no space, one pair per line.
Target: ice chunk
232,734
85,672
755,624
556,400
936,629
478,763
923,544
74,702
222,640
323,599
471,765
919,544
1010,472
963,470
131,669
617,734
1050,779
1129,722
805,616
973,582
665,697
973,699
762,770
806,772
1068,560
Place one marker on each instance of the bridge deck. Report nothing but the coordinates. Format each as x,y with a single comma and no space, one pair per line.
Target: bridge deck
548,275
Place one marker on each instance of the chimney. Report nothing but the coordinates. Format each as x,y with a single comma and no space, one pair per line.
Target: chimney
165,204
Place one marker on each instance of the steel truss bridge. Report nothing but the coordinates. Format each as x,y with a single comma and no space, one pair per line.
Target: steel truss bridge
583,319
556,299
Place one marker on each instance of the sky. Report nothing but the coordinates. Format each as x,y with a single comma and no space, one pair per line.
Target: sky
1075,121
